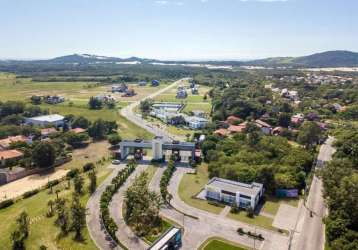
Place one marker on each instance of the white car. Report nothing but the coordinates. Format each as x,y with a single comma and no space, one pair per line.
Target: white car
116,162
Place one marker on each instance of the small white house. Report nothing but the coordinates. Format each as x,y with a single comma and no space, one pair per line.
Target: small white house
46,120
196,122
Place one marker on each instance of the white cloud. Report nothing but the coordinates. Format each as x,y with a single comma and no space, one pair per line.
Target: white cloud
161,2
164,2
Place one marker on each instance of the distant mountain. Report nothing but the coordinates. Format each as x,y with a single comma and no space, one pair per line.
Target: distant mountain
338,58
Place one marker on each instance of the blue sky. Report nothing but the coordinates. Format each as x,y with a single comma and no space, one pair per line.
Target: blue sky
176,29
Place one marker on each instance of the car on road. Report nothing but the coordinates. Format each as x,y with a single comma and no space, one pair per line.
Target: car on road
116,162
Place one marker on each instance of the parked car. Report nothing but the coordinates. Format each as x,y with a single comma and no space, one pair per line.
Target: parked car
116,162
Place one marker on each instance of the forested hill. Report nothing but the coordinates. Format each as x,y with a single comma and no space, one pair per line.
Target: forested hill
325,59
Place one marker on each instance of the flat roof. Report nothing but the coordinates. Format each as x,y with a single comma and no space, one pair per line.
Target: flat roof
48,118
164,239
234,186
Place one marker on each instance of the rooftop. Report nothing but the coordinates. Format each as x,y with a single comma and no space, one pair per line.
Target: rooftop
160,243
234,186
5,143
48,118
10,154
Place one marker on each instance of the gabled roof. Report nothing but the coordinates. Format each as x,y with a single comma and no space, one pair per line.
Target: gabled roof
232,118
262,124
236,129
221,131
5,143
10,154
78,130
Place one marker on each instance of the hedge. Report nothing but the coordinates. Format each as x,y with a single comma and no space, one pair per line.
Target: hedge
30,193
6,203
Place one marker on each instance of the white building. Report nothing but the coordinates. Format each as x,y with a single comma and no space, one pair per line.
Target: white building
46,120
233,192
196,122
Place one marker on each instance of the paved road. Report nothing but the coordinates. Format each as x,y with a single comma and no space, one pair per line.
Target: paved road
309,234
94,223
196,231
124,233
128,113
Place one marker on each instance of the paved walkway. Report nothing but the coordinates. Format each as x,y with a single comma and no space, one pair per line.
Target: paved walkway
95,227
196,231
225,212
125,233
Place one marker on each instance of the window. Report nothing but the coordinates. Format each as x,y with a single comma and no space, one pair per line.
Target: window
228,193
245,196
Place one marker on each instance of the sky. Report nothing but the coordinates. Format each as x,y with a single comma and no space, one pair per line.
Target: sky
176,29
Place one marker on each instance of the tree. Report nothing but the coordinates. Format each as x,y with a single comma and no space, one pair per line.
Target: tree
81,122
62,219
78,184
50,204
36,100
95,103
78,213
21,232
23,224
93,181
98,130
114,139
76,140
309,135
146,105
284,120
17,240
44,154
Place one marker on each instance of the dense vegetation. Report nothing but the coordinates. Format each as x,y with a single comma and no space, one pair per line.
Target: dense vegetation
340,180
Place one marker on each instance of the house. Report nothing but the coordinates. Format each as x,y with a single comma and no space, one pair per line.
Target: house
119,88
78,130
54,99
221,132
232,119
129,93
194,90
196,122
297,119
265,127
46,120
9,155
233,192
5,143
233,129
199,113
181,93
277,130
155,83
142,83
46,132
105,98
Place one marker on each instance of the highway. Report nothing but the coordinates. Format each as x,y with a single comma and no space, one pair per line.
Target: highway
309,234
128,112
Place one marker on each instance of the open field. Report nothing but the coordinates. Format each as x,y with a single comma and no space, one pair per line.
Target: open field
272,204
42,229
217,243
191,184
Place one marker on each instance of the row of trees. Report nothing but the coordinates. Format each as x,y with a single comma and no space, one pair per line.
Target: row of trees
340,181
164,181
107,195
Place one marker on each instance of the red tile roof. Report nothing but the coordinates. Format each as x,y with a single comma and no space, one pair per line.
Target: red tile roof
78,130
236,129
232,119
10,154
221,132
48,131
262,124
5,143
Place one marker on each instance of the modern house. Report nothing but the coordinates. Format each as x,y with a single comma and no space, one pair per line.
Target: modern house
54,99
155,83
9,155
119,88
233,192
196,122
46,120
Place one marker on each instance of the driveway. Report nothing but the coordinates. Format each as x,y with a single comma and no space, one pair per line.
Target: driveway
95,227
196,231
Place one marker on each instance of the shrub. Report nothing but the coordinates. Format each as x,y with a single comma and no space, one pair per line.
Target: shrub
6,203
240,231
72,173
30,193
52,183
88,166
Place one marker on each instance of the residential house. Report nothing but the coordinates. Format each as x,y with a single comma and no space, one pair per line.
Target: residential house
78,130
233,120
155,83
5,143
46,132
54,99
277,130
46,120
221,132
119,88
8,156
297,119
181,93
196,122
265,127
233,129
233,192
129,93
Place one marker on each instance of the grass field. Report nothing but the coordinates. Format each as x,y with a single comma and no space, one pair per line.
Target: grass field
216,243
259,220
272,204
191,184
42,229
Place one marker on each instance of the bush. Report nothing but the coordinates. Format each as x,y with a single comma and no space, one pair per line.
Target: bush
6,203
30,193
72,173
240,231
216,204
88,166
52,183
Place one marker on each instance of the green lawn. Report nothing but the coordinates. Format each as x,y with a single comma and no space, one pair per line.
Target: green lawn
272,204
165,226
206,107
216,243
191,184
261,221
42,230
